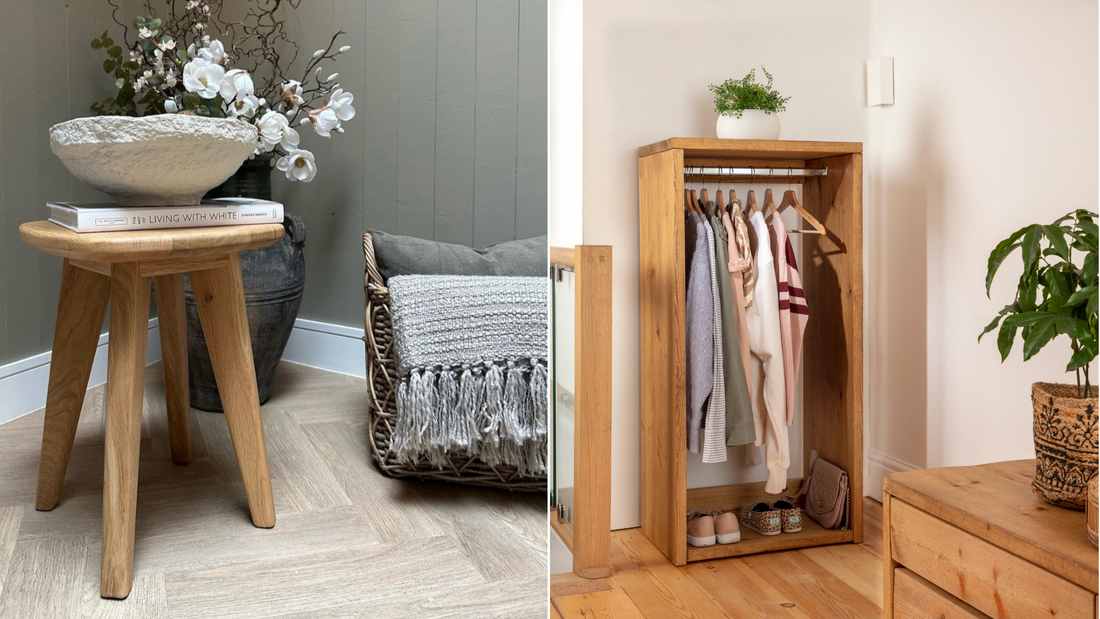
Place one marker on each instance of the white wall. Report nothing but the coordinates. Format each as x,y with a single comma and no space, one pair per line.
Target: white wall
994,127
647,64
565,120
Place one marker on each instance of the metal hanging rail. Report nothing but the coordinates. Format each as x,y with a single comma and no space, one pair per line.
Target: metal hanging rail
762,172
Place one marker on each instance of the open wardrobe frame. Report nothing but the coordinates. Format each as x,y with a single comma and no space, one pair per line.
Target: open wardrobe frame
832,357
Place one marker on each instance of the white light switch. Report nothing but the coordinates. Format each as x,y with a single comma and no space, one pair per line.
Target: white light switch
880,81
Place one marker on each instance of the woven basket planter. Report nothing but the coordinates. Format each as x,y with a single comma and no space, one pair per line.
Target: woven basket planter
1065,443
382,380
1091,513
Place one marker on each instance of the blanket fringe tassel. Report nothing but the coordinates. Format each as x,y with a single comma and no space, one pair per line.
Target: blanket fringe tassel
496,412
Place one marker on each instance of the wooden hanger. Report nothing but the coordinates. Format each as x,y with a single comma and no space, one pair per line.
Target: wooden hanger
790,199
769,202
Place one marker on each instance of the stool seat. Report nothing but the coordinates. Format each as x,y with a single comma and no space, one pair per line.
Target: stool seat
138,245
118,268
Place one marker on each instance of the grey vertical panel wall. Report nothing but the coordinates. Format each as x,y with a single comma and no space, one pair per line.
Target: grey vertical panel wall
449,140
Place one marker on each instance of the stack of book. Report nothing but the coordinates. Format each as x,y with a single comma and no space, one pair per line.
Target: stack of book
110,217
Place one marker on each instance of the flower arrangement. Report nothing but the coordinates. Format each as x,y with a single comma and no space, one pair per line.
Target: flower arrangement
1054,296
732,97
192,61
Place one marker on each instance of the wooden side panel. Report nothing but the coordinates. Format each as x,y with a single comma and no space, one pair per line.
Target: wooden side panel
592,498
916,598
888,562
663,371
832,268
992,580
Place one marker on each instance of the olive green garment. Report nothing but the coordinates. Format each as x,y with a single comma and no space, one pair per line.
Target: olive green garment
740,428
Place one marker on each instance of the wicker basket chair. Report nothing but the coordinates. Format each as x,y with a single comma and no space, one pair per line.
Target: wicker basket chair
382,381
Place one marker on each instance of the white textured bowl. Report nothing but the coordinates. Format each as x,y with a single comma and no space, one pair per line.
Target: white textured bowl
162,160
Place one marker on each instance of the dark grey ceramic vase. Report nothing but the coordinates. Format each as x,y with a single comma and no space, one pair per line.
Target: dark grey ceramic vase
274,278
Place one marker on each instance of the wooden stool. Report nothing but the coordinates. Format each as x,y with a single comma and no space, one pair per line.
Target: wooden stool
120,266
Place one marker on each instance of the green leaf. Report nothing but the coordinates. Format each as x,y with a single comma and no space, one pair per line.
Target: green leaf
1041,334
1026,319
108,41
999,253
1057,240
1080,358
991,326
108,65
97,44
1093,305
191,101
1056,283
115,52
181,54
1026,289
1030,246
130,65
139,22
1088,269
1080,296
1004,339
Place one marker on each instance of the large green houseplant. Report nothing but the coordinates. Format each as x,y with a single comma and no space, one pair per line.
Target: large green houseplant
1056,296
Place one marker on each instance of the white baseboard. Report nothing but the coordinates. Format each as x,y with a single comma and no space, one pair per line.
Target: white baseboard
331,347
23,383
327,346
880,465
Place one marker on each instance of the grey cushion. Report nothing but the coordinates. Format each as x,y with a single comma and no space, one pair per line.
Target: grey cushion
405,255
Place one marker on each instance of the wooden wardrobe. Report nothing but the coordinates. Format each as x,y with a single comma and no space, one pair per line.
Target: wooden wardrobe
832,357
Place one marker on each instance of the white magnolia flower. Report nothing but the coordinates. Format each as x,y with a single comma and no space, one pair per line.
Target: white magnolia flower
346,48
191,4
203,78
139,83
332,77
292,94
340,102
245,105
145,33
170,106
213,52
199,27
299,165
324,121
170,80
170,44
275,130
135,56
237,83
319,53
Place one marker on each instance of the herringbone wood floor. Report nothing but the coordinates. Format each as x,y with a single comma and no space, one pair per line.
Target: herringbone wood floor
349,542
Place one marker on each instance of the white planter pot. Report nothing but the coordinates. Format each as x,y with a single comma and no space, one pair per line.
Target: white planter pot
753,125
162,160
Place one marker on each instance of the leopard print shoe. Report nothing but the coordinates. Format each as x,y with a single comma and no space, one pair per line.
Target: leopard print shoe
790,517
761,518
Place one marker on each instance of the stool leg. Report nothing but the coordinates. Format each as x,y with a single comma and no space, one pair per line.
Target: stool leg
125,387
80,312
219,295
173,346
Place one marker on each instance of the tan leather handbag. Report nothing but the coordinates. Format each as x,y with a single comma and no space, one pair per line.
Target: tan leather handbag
826,493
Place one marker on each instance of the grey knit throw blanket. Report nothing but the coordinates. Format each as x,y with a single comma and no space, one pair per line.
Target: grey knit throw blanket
471,354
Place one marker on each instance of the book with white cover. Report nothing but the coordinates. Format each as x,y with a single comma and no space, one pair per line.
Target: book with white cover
110,217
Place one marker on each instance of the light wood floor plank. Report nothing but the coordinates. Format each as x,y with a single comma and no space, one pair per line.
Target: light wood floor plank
872,536
411,571
814,589
46,579
507,599
653,583
305,482
610,604
741,592
397,510
569,583
857,566
148,600
10,520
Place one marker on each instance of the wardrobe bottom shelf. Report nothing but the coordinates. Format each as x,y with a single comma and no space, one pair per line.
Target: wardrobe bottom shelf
812,534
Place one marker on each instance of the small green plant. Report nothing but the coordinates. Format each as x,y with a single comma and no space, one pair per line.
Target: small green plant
1055,296
732,97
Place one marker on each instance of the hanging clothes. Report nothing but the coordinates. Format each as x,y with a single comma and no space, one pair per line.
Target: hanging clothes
746,251
778,236
699,325
767,345
740,267
739,426
800,313
714,443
